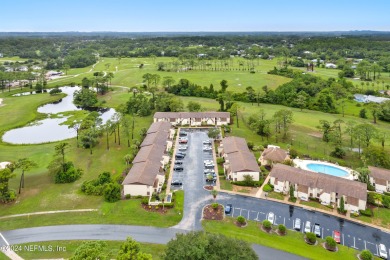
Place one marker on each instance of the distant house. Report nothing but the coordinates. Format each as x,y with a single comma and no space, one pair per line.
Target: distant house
272,155
193,118
53,73
239,161
316,60
307,52
380,178
330,66
327,188
147,173
23,68
1,55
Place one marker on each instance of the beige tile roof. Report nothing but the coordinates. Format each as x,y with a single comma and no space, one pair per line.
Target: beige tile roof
147,163
379,173
234,144
239,156
143,173
158,127
191,115
274,154
325,182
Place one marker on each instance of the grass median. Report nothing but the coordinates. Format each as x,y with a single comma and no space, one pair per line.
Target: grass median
293,242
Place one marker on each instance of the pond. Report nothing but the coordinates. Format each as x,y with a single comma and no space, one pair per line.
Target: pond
50,129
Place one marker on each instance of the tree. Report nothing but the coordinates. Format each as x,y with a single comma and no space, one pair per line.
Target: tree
66,67
207,246
301,100
90,250
131,250
224,85
148,78
107,127
214,193
162,196
292,191
128,158
366,132
85,98
363,113
213,133
330,243
250,94
194,106
283,118
6,195
25,165
342,205
60,150
168,82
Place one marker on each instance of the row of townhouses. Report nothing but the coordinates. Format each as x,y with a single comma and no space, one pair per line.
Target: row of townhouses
193,118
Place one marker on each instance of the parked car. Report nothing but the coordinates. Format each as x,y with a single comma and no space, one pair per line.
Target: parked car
307,227
271,217
209,166
183,140
317,229
178,162
183,147
207,162
207,171
208,142
182,133
297,224
180,156
382,251
176,183
336,236
207,149
228,208
178,169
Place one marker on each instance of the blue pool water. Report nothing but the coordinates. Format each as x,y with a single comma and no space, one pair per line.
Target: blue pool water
327,169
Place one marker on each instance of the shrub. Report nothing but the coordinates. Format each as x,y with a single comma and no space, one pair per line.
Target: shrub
112,192
128,196
293,153
282,229
241,220
311,237
266,224
67,173
366,255
55,91
267,188
338,153
330,243
386,201
368,212
215,205
250,145
220,160
145,201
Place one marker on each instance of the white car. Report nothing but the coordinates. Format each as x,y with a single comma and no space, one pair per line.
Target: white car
382,251
271,217
208,162
183,147
297,224
307,227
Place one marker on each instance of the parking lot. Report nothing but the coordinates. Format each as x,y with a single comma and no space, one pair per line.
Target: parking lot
193,176
352,235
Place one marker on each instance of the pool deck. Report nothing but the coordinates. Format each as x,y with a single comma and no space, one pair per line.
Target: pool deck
302,164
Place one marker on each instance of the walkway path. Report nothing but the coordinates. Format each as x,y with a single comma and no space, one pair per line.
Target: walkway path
47,212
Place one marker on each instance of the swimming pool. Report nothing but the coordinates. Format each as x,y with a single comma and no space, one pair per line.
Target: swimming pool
327,169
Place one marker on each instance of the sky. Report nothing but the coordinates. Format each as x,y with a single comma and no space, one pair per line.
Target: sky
193,15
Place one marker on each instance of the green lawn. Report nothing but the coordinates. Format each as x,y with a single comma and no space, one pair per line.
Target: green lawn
381,217
127,73
275,195
126,212
70,246
225,184
3,256
293,242
315,204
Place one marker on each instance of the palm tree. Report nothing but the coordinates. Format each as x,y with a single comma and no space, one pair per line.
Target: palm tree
117,119
214,193
25,164
162,196
60,150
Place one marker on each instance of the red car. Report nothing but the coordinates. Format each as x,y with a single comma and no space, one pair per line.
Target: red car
183,141
336,236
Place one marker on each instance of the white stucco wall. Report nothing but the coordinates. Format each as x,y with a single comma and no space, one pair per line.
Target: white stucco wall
240,175
137,189
325,198
380,188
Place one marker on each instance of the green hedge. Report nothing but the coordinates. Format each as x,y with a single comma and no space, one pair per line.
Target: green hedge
367,212
267,188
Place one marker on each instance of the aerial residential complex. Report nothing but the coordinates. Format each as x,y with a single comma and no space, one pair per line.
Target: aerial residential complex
193,118
328,189
380,178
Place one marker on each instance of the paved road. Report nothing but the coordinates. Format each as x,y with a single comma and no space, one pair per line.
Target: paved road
114,232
